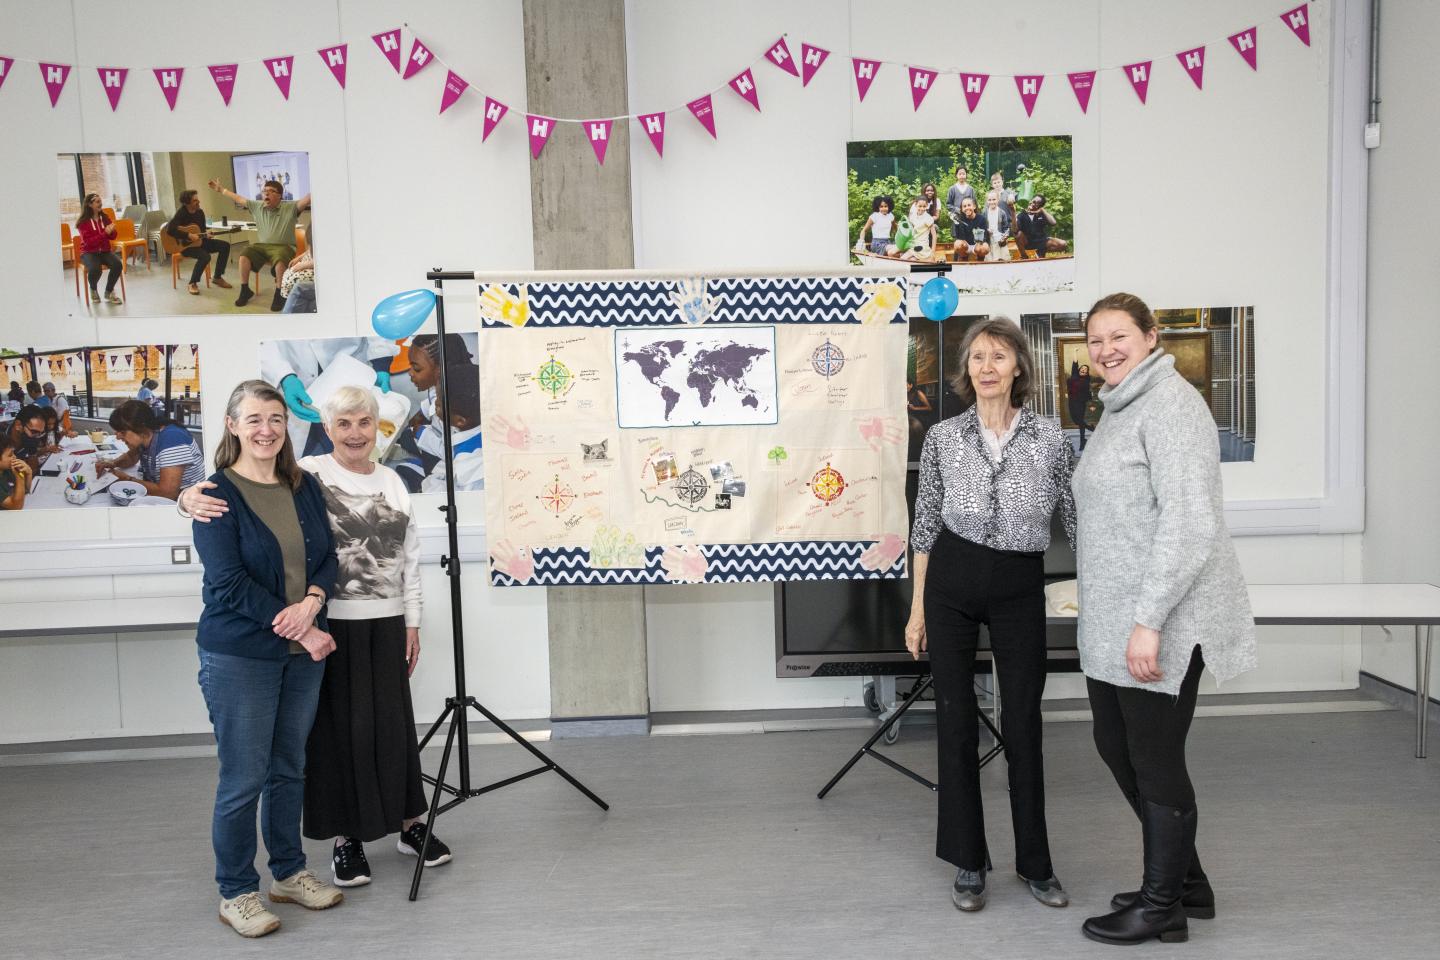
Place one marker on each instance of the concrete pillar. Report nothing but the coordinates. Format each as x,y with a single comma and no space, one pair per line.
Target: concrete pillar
575,68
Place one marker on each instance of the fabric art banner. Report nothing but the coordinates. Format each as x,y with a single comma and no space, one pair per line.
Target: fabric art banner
702,429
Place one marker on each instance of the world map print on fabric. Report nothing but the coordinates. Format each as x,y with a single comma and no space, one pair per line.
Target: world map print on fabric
675,378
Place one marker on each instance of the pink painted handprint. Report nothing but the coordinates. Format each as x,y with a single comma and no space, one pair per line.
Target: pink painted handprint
515,435
517,564
882,554
879,431
684,564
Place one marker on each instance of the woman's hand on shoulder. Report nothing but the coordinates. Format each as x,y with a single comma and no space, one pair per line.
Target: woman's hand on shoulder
1142,655
915,635
200,505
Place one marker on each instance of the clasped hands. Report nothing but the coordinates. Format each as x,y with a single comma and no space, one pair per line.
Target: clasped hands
297,622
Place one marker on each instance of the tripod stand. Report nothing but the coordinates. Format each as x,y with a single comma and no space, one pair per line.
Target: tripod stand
869,746
457,708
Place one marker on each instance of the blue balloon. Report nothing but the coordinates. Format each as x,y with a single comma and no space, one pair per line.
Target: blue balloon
939,298
401,314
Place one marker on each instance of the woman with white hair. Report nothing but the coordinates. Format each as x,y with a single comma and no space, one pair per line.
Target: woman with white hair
362,774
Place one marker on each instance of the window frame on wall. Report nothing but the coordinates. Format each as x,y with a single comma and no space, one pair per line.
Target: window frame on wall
137,178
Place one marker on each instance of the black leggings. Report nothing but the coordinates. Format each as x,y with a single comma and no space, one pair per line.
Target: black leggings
94,261
967,584
1140,735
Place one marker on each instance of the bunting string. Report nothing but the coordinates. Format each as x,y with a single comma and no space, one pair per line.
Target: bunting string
745,84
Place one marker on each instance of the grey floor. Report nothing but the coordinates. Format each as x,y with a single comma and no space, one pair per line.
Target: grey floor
1321,832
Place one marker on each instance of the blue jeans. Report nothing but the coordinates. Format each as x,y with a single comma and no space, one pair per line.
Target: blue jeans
301,299
262,711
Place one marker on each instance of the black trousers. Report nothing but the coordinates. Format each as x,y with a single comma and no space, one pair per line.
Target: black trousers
1140,735
201,255
967,584
95,261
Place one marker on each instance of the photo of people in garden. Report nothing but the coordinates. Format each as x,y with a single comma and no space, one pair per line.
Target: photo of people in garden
999,210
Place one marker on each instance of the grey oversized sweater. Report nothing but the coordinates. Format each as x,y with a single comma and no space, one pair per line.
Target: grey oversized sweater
1152,547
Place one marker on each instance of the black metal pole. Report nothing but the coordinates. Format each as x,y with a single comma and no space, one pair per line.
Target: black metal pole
451,562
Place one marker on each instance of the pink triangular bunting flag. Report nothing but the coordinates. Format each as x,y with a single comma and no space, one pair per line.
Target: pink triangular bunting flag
1139,74
779,54
743,83
598,133
920,81
704,111
454,87
654,126
974,86
5,64
539,129
334,58
1298,20
112,81
420,57
1244,44
389,44
169,79
865,71
1083,83
1194,63
54,75
224,76
494,111
1028,86
812,58
279,70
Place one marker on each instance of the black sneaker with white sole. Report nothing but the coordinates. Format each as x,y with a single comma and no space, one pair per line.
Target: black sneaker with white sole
411,841
349,865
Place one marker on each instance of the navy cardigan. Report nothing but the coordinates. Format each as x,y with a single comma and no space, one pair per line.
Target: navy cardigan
244,586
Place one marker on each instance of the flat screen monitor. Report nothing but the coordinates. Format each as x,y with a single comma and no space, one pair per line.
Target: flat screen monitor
291,168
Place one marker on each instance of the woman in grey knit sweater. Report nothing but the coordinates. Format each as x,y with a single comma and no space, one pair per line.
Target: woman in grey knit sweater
1161,597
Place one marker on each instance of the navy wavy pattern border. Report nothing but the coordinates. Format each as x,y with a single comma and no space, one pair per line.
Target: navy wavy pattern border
740,300
726,563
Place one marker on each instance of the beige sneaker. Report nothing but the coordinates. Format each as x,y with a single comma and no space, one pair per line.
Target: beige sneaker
247,916
306,889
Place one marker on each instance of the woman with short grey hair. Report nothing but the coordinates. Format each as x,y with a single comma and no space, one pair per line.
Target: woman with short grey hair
1161,597
990,481
362,774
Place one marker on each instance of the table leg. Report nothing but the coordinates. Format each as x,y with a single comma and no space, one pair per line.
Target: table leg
1422,687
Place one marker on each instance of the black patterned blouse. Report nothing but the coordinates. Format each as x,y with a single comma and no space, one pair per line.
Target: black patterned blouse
1005,505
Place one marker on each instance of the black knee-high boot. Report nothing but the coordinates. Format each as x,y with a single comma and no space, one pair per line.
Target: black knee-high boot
1198,898
1169,834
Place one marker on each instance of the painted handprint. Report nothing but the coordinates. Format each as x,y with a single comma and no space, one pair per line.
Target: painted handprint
685,564
515,435
515,563
695,305
499,304
882,554
879,431
881,302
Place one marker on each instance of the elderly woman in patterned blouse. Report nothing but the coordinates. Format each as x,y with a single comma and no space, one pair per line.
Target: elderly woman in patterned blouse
990,480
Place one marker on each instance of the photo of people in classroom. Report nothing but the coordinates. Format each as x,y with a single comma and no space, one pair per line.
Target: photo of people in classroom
235,230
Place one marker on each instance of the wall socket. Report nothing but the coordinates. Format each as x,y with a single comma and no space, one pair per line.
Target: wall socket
179,555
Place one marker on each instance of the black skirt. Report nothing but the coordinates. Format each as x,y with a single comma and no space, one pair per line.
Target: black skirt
362,763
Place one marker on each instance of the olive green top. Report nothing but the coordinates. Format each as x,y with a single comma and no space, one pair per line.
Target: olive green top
274,504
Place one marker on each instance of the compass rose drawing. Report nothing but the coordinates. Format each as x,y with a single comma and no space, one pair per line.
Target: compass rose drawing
691,486
556,496
827,484
554,377
827,360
